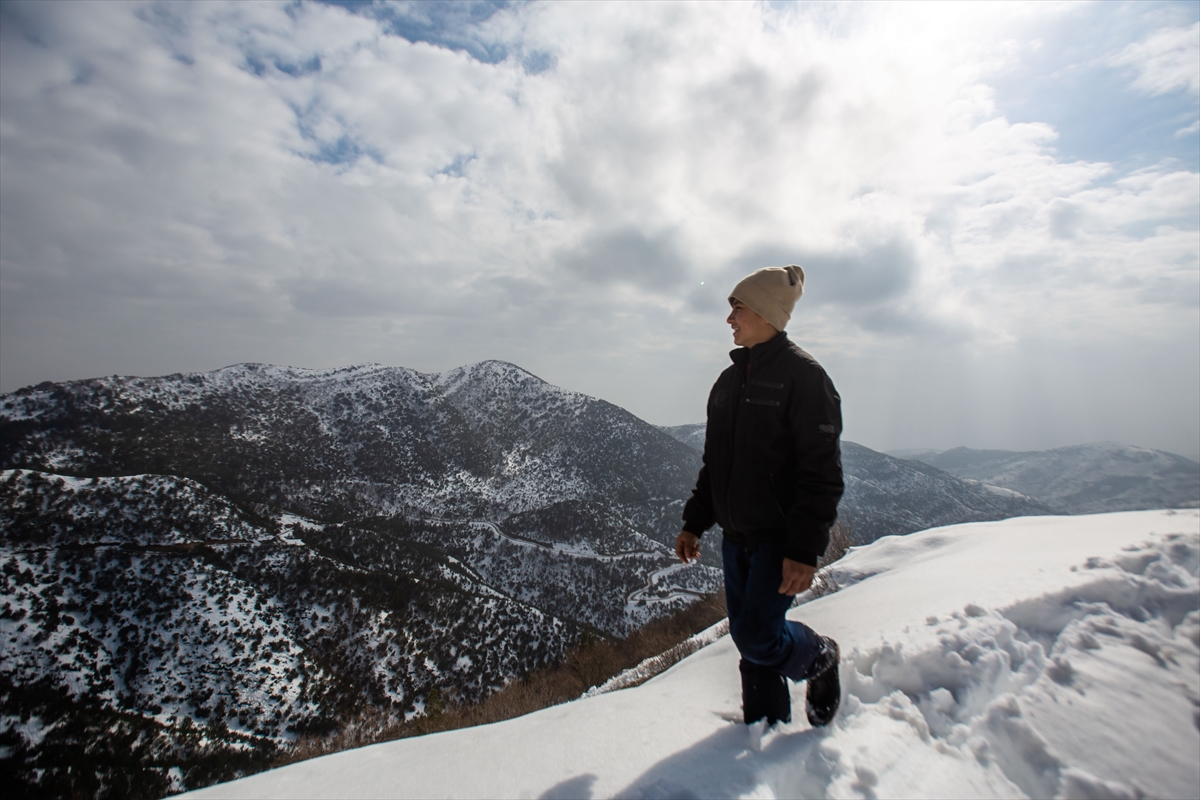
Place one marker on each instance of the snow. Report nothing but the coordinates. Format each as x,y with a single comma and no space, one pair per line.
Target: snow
292,524
1039,656
175,779
32,730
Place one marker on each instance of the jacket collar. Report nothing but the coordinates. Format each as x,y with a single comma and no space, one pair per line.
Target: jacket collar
751,357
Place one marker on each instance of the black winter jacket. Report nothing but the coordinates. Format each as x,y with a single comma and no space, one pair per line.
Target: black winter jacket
772,464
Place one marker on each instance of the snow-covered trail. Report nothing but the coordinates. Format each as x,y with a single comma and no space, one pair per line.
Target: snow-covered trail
1044,657
677,592
642,594
561,550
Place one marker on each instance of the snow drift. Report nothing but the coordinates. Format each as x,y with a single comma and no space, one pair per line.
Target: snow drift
1041,656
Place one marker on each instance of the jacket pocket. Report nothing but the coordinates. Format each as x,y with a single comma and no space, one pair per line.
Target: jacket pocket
764,393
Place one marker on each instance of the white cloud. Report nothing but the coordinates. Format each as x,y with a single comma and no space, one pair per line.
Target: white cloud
188,185
1167,60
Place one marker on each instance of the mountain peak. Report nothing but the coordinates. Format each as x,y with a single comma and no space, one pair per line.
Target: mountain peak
484,370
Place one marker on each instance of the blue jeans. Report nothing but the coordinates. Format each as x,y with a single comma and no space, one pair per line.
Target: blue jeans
763,635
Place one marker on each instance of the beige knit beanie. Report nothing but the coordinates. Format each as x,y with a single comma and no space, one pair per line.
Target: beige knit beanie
771,292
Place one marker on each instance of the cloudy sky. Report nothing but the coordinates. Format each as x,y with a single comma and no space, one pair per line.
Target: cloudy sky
997,205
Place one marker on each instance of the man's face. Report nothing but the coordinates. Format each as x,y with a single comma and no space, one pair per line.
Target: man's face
749,328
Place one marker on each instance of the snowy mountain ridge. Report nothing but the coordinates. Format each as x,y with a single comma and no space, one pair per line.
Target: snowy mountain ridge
485,436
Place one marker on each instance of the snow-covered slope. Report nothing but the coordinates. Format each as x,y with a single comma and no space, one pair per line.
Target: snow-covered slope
145,615
1042,656
1083,479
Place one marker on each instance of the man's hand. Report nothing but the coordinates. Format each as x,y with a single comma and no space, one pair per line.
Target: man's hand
796,576
687,546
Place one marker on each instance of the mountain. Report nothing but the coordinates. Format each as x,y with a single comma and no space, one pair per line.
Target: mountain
479,441
889,496
886,496
1083,479
481,462
198,568
976,662
692,435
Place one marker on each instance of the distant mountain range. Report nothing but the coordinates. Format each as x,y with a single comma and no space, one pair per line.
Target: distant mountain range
1084,479
197,567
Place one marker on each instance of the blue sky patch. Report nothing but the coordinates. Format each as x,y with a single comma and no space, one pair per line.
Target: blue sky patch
1070,82
344,151
455,168
452,24
260,66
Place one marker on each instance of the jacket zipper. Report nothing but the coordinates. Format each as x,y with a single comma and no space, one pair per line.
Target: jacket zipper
737,408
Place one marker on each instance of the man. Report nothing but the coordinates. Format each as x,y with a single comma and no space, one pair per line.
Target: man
772,478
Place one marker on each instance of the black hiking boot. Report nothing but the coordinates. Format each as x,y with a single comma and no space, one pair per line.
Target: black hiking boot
824,688
765,694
